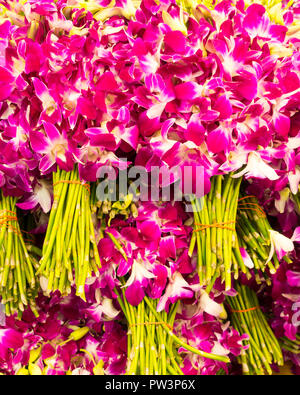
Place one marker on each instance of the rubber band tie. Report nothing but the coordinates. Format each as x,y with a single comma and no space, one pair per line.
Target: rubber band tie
221,225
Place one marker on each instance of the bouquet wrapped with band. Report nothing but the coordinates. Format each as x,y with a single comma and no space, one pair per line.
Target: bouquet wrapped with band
149,187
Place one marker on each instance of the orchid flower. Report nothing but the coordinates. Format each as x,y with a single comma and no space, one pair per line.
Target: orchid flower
55,148
177,288
50,109
246,258
105,309
296,235
41,196
256,167
281,202
279,243
9,339
137,282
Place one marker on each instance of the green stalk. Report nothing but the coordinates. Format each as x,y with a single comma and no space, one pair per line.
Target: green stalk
207,235
247,317
70,252
17,278
199,246
183,344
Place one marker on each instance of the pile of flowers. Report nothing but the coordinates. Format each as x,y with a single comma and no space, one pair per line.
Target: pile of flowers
149,177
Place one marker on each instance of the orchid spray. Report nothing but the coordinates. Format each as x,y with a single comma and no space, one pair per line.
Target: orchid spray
214,230
247,317
258,246
152,344
70,248
18,286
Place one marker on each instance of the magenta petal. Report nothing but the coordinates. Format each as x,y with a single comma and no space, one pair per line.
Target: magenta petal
86,108
29,204
254,16
195,132
123,115
247,86
40,87
220,46
107,82
100,139
167,247
6,80
45,164
10,338
184,263
280,252
223,106
296,235
51,131
34,57
204,331
290,330
48,351
218,140
246,258
4,29
38,141
5,76
206,346
278,32
130,136
293,278
135,293
154,82
150,230
160,281
95,311
187,90
106,248
182,293
176,41
282,124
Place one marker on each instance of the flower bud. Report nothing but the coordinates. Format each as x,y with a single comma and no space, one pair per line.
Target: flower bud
98,369
223,314
79,333
34,354
22,372
34,370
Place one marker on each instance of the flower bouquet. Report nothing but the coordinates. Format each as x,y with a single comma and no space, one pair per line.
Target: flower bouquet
149,187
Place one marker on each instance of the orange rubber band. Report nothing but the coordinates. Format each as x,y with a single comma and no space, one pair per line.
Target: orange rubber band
246,310
28,240
221,225
8,211
151,323
5,222
255,208
247,197
251,206
86,186
10,227
7,219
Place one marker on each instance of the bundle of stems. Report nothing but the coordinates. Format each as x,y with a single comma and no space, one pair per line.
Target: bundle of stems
152,345
253,235
214,230
292,346
70,253
247,317
18,287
